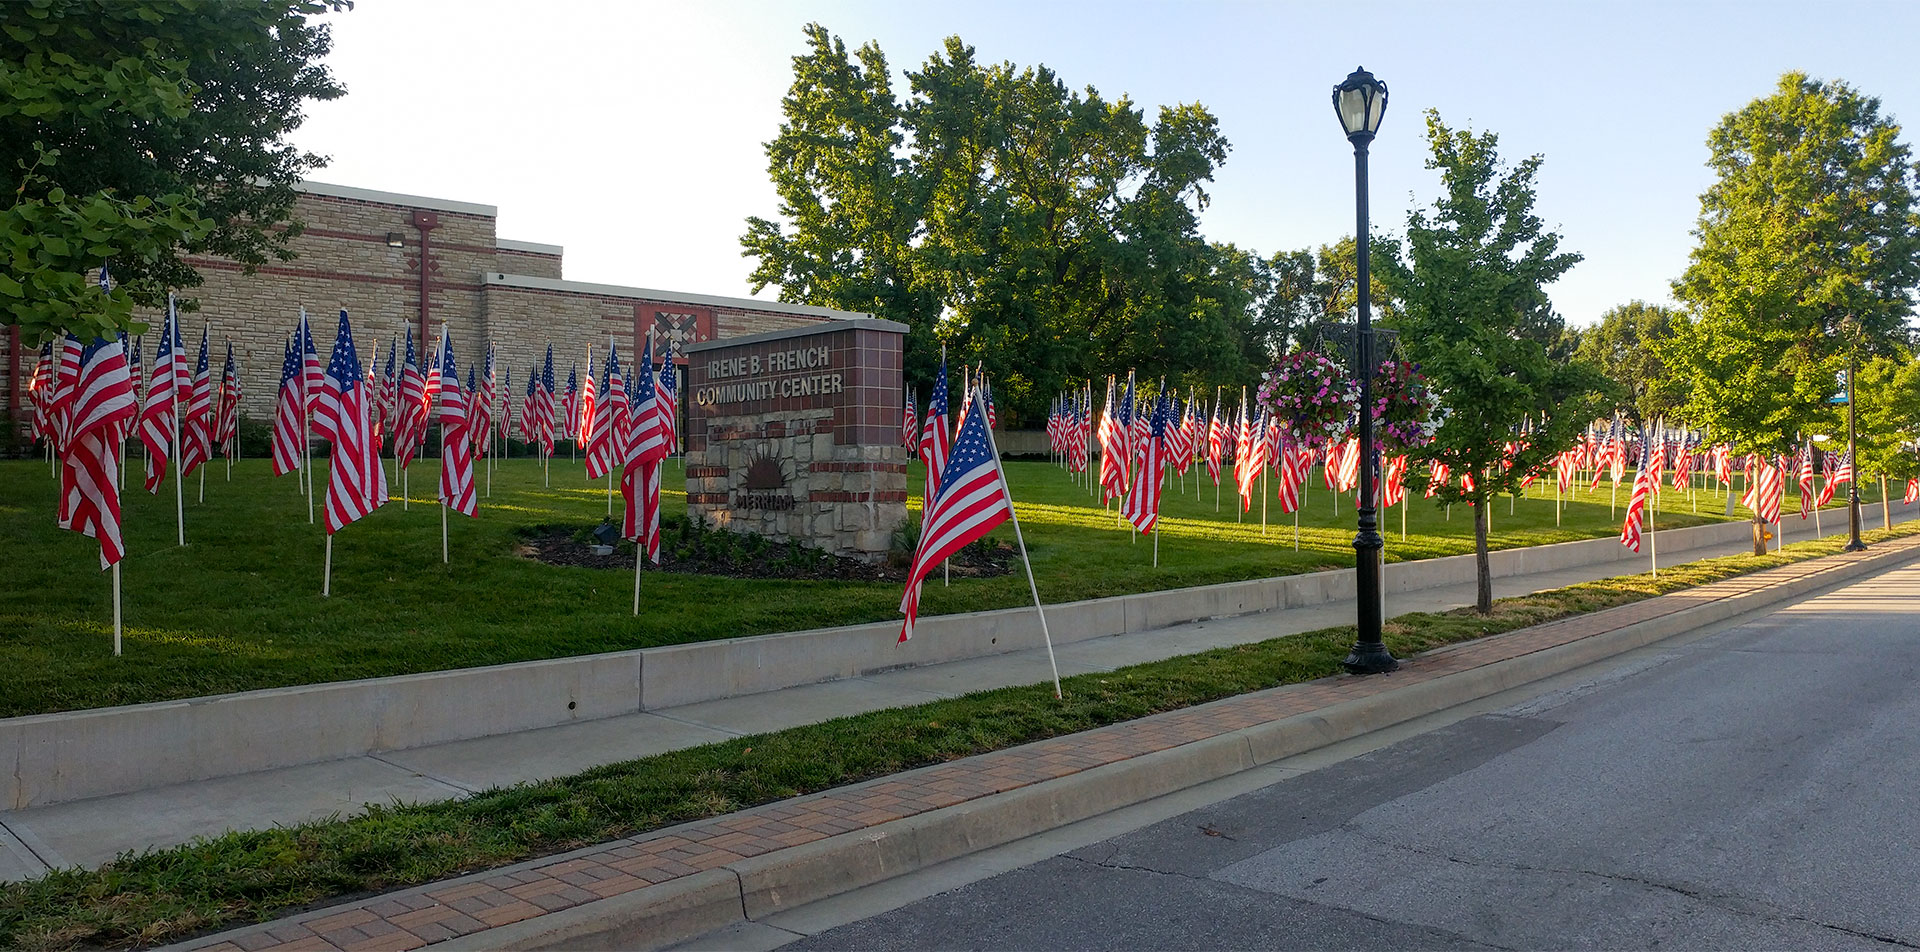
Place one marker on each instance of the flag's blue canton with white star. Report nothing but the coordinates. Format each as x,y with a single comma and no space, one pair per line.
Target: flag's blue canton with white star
390,359
1161,411
546,376
290,368
106,281
200,366
938,405
412,361
642,389
345,365
533,381
970,449
1125,410
448,370
469,377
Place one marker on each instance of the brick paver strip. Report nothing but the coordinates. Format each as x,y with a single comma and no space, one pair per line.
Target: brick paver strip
420,916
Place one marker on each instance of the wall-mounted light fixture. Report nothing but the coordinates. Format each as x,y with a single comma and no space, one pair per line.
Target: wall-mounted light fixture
396,240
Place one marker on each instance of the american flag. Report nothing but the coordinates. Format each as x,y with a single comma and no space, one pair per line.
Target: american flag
196,434
529,416
1270,437
310,377
1113,448
356,482
640,477
583,423
286,415
1806,481
158,424
1722,456
619,401
1616,452
600,432
969,502
456,448
1348,474
1653,459
1395,481
99,409
227,431
1252,459
1329,470
40,391
1216,442
933,440
1682,465
410,432
133,362
1644,481
569,409
386,396
909,422
986,395
1293,475
543,406
483,404
1913,491
504,419
1437,475
1767,493
1143,503
1078,427
668,389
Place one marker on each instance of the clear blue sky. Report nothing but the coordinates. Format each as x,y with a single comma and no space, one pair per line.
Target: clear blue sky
631,132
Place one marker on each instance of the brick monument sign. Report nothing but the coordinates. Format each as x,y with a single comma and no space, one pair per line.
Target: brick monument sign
795,435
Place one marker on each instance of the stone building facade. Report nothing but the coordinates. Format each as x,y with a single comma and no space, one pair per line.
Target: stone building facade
363,250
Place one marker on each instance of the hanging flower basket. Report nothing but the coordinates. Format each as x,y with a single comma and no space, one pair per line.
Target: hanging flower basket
1312,395
1402,405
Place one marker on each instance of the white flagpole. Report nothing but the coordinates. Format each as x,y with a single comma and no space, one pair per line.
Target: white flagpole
116,609
443,532
406,487
1032,586
179,493
203,484
326,578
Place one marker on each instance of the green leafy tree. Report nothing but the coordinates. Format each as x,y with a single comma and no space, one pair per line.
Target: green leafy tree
1807,252
144,132
1623,346
1475,316
1887,396
1043,231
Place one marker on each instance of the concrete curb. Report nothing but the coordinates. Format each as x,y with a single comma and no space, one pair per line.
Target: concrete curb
799,875
75,755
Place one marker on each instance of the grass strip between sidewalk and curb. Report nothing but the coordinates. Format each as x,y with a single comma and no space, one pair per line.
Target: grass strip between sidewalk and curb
214,883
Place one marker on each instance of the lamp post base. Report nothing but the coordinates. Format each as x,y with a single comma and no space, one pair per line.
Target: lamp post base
1369,659
1854,546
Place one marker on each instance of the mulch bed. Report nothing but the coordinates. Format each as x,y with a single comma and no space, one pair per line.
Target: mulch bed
721,553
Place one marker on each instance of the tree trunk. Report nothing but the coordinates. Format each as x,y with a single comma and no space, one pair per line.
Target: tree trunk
1759,535
1482,567
1886,506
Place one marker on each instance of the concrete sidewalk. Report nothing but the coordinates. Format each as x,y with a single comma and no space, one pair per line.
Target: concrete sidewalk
660,887
94,831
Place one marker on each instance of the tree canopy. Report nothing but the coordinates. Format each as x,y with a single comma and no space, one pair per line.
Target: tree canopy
1622,346
143,132
1807,251
1046,231
1476,318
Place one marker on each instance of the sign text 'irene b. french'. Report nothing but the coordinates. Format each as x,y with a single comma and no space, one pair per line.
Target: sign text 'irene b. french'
743,378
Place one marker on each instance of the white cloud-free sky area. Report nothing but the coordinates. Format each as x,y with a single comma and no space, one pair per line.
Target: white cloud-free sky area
632,133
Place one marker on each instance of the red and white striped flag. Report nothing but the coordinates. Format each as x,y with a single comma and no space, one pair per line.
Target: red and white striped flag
970,501
158,423
640,476
1142,507
356,482
196,425
1806,482
286,415
543,407
1113,451
226,431
600,430
933,440
583,425
1395,481
1913,491
99,408
1564,467
1295,463
667,391
40,395
410,428
1216,443
456,447
1252,456
311,379
1644,480
1348,475
481,425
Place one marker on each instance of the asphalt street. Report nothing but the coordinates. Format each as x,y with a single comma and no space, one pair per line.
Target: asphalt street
1757,788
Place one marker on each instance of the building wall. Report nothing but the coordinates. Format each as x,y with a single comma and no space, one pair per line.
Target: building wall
479,286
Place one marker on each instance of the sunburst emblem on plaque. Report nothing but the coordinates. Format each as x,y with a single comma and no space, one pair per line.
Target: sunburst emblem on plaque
764,473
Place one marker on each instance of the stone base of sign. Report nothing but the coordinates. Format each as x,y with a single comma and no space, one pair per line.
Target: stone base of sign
818,462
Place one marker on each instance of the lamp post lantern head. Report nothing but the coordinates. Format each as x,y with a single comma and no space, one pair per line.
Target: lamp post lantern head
1360,102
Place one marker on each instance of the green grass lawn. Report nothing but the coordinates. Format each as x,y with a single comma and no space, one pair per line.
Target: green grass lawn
239,607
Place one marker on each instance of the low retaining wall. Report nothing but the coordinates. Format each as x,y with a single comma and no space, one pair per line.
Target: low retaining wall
80,754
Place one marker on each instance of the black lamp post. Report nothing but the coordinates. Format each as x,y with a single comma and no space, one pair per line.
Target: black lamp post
1853,484
1360,102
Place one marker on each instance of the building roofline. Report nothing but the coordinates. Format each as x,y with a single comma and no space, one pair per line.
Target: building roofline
529,282
534,247
867,324
396,198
